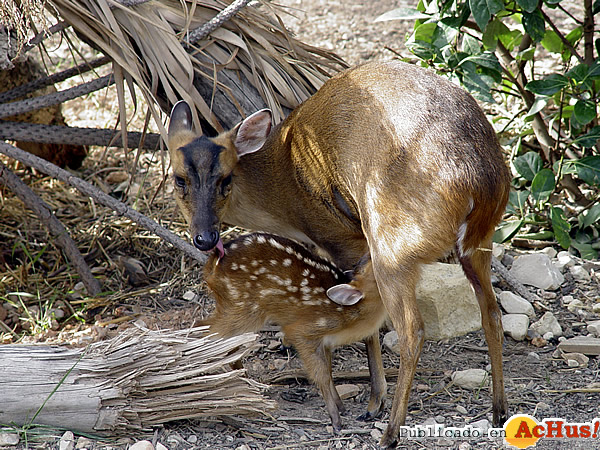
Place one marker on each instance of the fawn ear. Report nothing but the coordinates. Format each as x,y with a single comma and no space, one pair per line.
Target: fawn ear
251,133
344,294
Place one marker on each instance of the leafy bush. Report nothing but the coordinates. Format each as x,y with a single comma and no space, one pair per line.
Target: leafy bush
494,48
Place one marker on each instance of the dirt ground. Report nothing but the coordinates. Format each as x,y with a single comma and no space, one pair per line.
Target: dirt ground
537,382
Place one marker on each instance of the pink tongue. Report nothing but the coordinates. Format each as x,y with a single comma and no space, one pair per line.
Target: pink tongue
220,250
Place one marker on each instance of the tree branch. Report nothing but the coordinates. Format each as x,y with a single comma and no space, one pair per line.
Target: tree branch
56,228
88,189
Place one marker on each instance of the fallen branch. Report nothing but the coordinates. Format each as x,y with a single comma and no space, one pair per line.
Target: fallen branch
88,189
135,381
64,241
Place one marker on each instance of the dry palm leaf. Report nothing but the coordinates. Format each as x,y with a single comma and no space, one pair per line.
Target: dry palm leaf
147,42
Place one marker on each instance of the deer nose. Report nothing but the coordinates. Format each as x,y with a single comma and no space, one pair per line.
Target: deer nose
206,240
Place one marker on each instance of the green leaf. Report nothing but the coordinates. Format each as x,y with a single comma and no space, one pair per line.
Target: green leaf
528,165
561,227
517,201
493,32
402,14
585,111
589,217
549,86
543,185
552,42
479,85
424,32
588,169
507,230
486,59
586,251
589,139
528,5
539,103
483,10
535,25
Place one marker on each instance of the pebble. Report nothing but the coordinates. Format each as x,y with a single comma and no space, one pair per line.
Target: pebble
461,409
390,341
470,378
581,344
596,308
533,357
142,445
580,274
515,325
376,434
483,424
190,296
160,446
575,305
192,439
564,260
550,251
567,299
576,359
67,441
347,390
83,442
515,304
8,439
548,323
594,328
498,250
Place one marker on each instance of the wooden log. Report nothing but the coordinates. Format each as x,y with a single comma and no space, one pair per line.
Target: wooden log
135,381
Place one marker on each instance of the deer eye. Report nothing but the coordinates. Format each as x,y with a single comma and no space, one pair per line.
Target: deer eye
226,183
179,181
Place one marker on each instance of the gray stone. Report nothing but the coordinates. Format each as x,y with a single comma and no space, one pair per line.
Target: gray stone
580,274
515,304
498,250
67,441
581,344
142,445
594,328
347,391
8,439
390,341
447,302
548,323
564,260
484,425
536,269
551,252
515,326
471,378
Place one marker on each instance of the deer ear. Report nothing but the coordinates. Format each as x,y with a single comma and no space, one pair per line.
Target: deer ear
181,119
344,294
251,133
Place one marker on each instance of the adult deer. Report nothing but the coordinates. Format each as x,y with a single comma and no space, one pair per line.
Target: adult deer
386,159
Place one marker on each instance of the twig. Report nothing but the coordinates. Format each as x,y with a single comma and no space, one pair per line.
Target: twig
86,188
55,227
515,284
210,26
32,104
24,89
58,134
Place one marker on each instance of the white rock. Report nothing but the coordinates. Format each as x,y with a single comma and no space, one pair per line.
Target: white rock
537,270
67,441
447,302
574,305
596,308
461,409
8,439
190,296
594,328
564,260
498,250
579,273
551,252
160,446
83,442
347,390
548,323
567,299
483,424
390,341
515,304
515,325
142,445
471,378
547,336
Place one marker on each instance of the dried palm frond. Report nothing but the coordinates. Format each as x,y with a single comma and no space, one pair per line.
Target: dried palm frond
253,50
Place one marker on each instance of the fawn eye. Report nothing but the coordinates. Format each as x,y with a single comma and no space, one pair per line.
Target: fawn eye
179,181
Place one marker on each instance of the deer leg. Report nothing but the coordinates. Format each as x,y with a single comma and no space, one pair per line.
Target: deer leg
317,362
397,288
477,271
377,376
